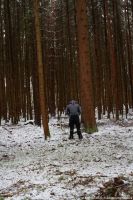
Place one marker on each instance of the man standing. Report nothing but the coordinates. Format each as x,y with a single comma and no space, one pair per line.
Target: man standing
73,110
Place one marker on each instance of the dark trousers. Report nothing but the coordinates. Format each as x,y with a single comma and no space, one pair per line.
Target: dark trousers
74,121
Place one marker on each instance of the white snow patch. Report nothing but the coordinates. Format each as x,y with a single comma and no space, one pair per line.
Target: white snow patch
58,168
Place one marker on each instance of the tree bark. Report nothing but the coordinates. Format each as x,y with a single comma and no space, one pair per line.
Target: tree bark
86,92
42,91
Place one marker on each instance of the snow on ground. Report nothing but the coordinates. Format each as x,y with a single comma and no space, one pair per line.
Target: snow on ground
34,169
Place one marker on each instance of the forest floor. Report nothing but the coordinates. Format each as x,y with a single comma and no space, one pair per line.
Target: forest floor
98,167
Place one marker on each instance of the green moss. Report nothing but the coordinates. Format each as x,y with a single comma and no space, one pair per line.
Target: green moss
91,130
2,198
111,191
61,178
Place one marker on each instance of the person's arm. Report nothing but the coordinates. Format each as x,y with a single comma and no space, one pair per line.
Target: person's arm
79,109
67,111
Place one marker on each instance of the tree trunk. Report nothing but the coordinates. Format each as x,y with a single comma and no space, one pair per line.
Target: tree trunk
86,92
42,91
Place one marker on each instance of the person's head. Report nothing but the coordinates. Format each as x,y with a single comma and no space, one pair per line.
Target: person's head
73,102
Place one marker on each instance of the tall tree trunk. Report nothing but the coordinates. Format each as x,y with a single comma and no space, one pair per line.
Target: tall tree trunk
86,92
42,91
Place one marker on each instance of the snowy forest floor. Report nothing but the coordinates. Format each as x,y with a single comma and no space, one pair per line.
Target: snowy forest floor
99,166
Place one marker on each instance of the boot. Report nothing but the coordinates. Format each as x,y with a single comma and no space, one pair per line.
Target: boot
71,135
80,134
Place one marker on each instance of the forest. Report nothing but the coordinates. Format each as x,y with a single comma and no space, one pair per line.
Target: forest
55,51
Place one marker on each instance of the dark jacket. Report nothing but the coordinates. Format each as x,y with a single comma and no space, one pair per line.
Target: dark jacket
73,108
